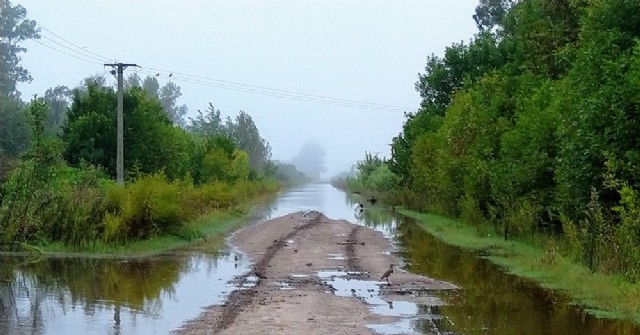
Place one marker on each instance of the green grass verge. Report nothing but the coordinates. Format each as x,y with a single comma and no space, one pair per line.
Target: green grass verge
607,296
210,226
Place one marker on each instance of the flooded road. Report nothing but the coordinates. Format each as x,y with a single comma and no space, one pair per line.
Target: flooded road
157,295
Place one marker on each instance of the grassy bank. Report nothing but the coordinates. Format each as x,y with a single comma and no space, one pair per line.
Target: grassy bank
607,296
213,226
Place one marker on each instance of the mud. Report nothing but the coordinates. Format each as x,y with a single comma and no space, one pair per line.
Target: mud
313,275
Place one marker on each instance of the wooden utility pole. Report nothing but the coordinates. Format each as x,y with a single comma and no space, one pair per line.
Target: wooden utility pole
120,154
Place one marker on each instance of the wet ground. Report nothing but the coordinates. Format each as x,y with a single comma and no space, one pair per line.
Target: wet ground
303,288
157,295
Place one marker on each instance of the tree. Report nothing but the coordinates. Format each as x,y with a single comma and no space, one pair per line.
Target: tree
244,132
14,127
151,142
207,123
57,99
151,86
490,13
168,96
15,28
310,160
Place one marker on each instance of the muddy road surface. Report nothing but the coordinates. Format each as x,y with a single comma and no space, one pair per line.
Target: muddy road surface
313,275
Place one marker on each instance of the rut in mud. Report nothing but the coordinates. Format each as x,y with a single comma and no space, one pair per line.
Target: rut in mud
240,298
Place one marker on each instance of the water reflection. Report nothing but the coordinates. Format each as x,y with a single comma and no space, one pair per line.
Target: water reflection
111,296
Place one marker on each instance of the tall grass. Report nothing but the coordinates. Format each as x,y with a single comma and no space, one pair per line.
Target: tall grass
81,208
604,295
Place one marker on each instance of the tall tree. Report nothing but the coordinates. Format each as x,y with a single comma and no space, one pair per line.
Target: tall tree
490,13
57,99
15,28
151,141
207,123
310,160
168,96
244,132
14,128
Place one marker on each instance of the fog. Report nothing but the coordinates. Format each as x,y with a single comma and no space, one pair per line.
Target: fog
306,71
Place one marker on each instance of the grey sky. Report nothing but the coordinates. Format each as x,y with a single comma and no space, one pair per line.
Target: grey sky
368,51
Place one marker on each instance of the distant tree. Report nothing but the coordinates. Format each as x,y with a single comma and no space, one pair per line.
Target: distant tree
244,132
288,173
14,29
310,160
57,99
133,80
14,127
168,96
96,79
490,13
151,86
207,123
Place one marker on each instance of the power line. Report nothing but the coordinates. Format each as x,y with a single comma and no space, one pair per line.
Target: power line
81,53
66,53
277,90
102,58
288,96
74,50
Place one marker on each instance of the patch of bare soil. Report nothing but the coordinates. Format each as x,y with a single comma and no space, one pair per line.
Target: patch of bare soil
285,293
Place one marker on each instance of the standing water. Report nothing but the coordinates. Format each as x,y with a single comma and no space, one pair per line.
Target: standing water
155,295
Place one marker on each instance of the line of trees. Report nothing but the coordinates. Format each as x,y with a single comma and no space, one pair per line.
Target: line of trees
531,128
57,157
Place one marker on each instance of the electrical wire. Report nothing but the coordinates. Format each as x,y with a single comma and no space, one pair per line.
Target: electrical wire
83,54
67,53
280,94
275,90
85,50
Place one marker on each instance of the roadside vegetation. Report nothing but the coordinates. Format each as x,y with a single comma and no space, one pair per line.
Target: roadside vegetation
529,131
58,160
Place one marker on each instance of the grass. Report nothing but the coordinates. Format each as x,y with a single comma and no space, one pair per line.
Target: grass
209,226
606,296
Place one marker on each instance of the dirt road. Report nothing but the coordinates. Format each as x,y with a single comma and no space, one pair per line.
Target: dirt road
314,275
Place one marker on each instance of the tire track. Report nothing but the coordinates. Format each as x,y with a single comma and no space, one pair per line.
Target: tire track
238,299
353,263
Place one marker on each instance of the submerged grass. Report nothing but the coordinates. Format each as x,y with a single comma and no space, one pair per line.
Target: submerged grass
606,296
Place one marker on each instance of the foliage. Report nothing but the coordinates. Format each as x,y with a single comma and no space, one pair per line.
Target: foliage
167,95
174,178
152,143
14,127
244,133
15,28
287,173
531,129
58,99
207,123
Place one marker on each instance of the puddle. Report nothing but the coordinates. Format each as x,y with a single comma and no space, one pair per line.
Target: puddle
346,284
336,256
283,286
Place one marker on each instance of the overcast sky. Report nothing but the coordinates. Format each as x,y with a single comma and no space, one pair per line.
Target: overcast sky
362,51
